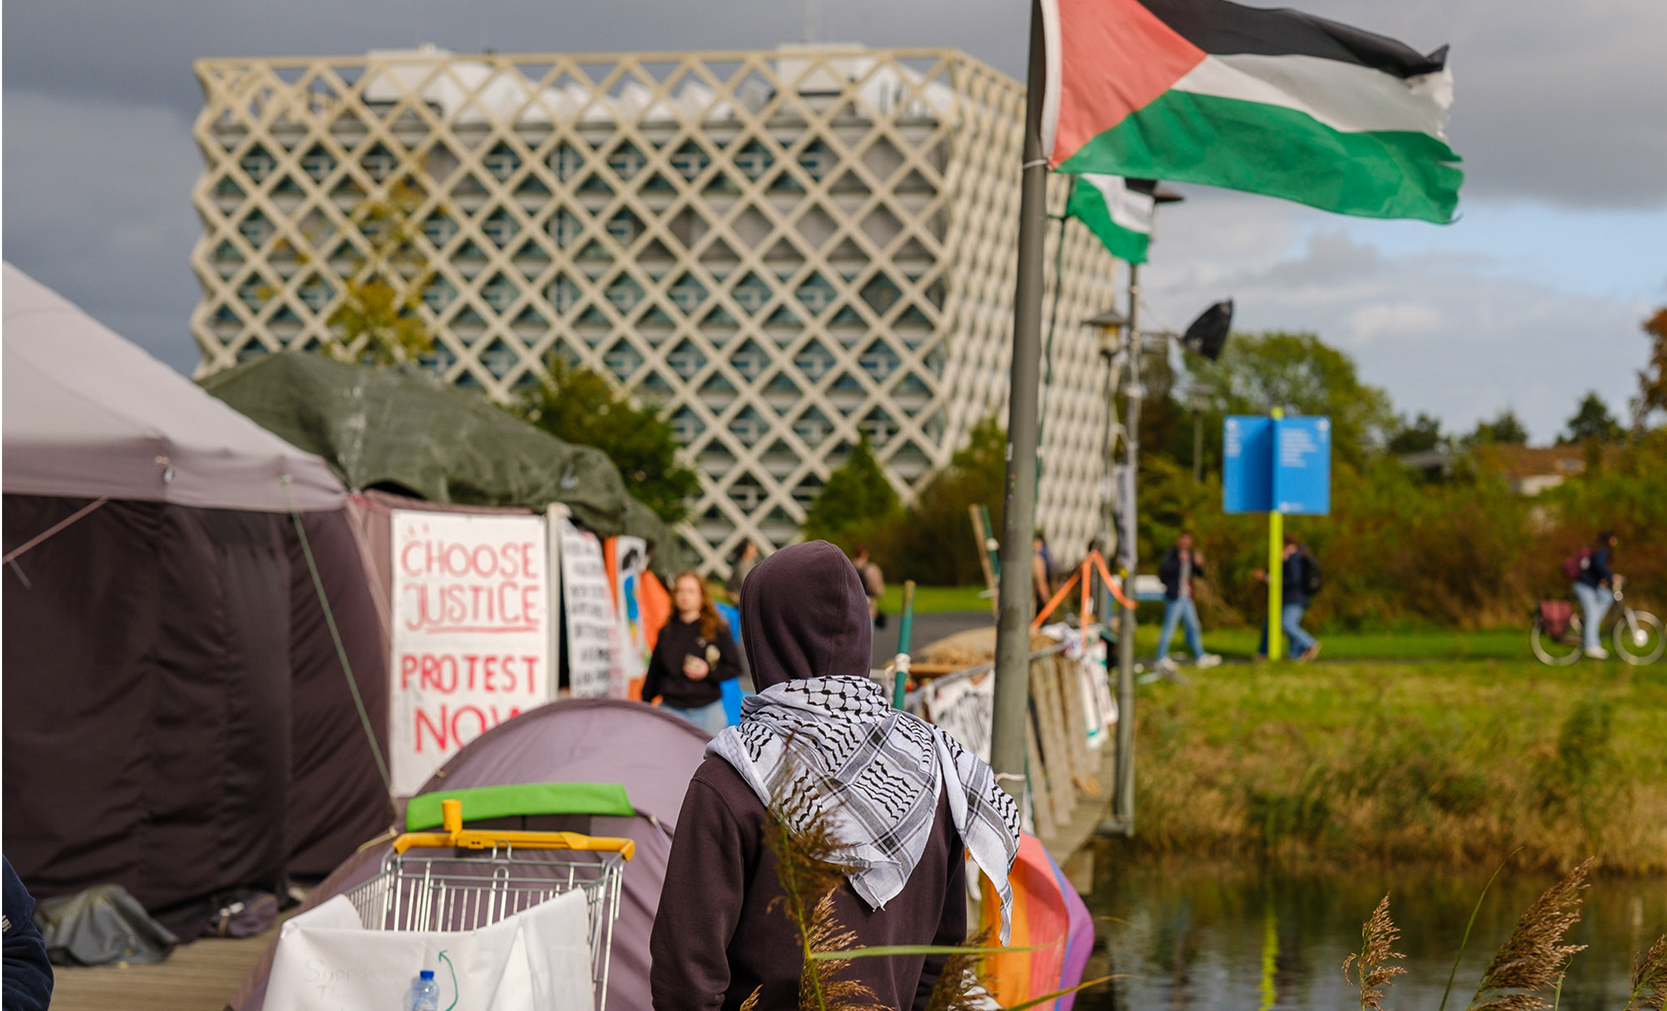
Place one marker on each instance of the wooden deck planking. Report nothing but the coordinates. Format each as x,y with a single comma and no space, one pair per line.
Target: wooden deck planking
201,976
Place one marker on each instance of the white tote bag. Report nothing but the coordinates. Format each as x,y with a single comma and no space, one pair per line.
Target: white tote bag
328,961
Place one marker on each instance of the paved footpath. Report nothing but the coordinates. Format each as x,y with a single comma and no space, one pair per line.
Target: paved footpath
928,628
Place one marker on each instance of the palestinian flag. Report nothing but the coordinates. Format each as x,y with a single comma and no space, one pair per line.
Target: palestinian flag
1117,210
1270,101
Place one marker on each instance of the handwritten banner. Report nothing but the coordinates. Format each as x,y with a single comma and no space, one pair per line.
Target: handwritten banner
471,639
593,633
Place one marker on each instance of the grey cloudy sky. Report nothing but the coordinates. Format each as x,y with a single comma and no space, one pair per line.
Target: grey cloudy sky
1532,298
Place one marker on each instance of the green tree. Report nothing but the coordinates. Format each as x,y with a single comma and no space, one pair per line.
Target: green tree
579,406
855,504
933,542
1421,435
1505,430
378,318
1301,373
1592,422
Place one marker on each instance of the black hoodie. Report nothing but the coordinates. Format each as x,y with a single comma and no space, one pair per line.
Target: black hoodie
716,937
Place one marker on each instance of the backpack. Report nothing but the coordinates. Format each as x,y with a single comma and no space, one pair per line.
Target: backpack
1577,563
1555,616
1312,580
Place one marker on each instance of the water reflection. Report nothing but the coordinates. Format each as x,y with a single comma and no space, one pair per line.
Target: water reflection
1232,936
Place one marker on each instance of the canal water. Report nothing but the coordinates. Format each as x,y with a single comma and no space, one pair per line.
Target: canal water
1237,936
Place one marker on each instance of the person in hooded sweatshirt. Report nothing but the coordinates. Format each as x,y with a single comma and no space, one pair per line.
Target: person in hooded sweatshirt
903,797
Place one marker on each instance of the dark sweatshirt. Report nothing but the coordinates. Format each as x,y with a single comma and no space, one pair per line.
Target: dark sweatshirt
716,937
803,614
679,639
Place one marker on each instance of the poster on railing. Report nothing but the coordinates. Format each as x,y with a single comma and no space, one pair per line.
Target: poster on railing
471,644
593,633
1099,709
963,708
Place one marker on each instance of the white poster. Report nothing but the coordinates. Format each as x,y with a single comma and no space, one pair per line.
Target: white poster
964,709
1099,709
471,644
630,561
593,635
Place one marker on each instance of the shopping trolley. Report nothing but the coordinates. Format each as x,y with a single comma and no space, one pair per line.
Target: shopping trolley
490,875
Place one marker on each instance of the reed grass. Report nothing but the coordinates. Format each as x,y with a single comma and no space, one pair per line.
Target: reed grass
1373,967
1449,764
1533,960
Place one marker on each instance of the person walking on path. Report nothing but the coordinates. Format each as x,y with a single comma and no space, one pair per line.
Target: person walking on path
1180,567
905,801
1594,587
1041,571
746,556
693,656
1295,595
873,584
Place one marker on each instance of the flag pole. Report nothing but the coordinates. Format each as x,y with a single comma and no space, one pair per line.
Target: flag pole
1276,560
1122,802
1018,521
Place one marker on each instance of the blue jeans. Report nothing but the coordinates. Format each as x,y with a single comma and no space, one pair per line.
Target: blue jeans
710,718
1182,610
1594,603
1290,620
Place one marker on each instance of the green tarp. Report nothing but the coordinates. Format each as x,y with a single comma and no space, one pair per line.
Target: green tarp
520,799
403,430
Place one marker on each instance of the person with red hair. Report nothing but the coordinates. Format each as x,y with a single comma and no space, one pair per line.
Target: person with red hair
694,654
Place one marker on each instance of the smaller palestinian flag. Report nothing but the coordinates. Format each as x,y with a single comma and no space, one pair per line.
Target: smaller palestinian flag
1117,210
1270,101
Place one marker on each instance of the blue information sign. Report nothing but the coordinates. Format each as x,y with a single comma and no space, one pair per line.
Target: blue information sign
1281,464
1247,474
1302,468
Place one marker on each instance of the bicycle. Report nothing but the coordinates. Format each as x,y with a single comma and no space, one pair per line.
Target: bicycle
1637,635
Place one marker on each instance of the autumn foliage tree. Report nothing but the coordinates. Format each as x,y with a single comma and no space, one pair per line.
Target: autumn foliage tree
1652,381
377,319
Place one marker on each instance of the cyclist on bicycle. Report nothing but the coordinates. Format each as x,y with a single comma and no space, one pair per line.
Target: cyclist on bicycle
1594,588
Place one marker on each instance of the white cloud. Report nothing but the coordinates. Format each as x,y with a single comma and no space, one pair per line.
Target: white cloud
1446,334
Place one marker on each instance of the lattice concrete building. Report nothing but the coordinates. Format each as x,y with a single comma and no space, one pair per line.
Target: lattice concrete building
784,249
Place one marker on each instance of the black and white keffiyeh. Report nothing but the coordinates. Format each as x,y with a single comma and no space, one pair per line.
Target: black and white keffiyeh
873,773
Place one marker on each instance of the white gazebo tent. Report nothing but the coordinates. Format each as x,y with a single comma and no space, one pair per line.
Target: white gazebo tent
176,717
89,414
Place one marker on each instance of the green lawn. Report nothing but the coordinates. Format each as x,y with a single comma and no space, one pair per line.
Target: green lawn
931,599
1419,644
1422,644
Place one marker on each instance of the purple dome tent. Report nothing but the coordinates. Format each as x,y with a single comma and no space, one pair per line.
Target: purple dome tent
651,753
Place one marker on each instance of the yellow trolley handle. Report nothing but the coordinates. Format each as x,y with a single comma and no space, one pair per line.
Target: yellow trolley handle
456,836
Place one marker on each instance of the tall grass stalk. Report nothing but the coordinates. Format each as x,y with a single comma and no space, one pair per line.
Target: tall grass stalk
1650,974
1534,956
1371,964
1465,942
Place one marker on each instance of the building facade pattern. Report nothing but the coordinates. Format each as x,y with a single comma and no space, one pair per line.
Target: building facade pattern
782,250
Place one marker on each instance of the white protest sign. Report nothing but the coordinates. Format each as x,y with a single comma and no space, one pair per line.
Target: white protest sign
630,561
471,644
963,709
593,632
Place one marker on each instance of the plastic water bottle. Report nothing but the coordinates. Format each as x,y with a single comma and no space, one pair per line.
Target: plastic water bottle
425,993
